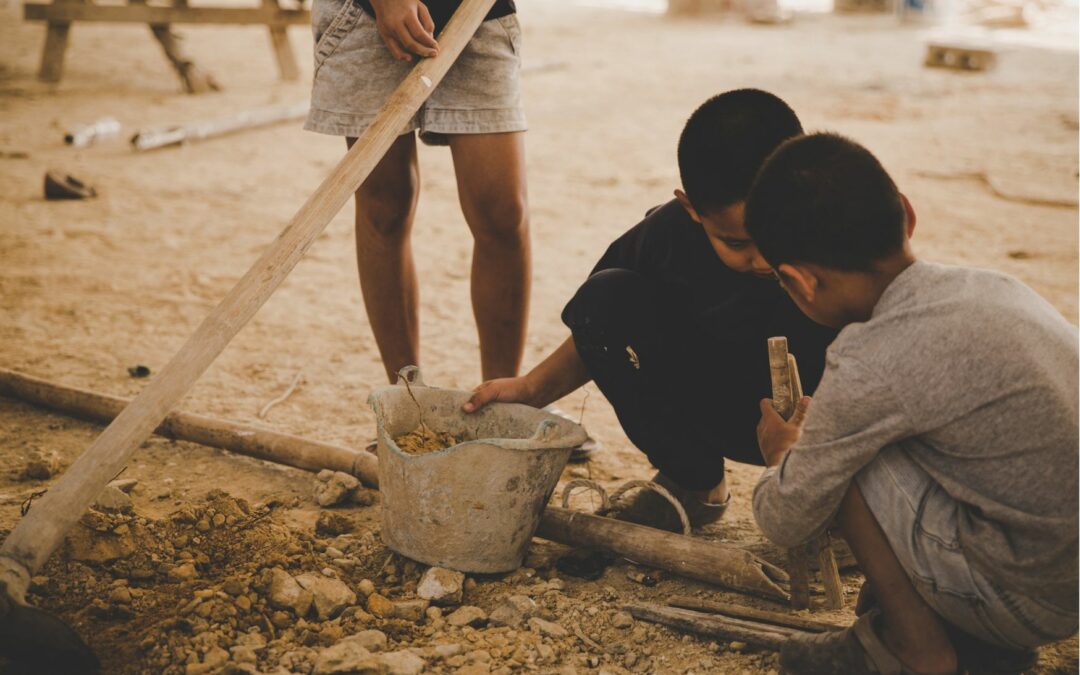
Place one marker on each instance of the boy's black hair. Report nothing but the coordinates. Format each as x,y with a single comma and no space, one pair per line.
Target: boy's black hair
825,199
725,142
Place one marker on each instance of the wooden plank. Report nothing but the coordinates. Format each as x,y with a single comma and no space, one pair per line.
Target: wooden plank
161,15
758,635
752,614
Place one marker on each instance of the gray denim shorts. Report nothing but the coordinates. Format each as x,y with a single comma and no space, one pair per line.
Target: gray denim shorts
355,74
920,520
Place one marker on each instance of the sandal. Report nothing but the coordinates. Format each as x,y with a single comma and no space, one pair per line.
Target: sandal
854,651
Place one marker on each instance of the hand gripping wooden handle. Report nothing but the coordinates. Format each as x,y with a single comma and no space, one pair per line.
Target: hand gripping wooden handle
38,534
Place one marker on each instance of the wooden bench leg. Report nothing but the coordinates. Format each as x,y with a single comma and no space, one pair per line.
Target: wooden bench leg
283,53
799,572
193,78
830,573
52,57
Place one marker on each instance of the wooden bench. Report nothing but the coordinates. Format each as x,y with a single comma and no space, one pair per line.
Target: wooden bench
60,14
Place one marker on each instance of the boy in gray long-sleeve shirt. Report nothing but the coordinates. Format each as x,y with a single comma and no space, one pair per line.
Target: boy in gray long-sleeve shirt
942,440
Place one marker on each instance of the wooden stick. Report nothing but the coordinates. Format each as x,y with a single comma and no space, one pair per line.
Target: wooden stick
830,572
699,559
758,635
752,613
243,439
43,529
158,137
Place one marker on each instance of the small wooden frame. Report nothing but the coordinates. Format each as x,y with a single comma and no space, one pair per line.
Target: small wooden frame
60,14
787,391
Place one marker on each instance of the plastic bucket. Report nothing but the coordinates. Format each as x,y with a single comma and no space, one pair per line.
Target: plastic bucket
474,506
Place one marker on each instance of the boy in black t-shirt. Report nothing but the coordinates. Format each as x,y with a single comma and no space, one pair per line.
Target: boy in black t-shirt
673,323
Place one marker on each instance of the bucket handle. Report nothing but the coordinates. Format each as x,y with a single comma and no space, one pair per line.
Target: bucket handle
410,375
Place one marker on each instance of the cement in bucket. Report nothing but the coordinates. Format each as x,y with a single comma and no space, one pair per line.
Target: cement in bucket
474,506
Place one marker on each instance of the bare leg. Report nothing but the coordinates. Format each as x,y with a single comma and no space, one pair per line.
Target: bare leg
385,206
913,632
490,172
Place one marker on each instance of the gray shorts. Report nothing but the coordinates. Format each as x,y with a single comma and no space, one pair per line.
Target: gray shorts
920,520
355,74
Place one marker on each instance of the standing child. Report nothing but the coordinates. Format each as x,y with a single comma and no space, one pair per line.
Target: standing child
942,440
363,49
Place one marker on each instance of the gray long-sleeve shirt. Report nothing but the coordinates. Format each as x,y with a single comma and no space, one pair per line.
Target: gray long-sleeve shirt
974,375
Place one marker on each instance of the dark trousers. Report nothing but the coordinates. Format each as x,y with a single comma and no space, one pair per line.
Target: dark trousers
667,384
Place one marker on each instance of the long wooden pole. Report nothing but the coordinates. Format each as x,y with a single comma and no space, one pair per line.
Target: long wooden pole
699,559
764,636
243,439
39,533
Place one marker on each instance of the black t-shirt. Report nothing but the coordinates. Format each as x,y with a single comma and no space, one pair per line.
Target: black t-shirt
442,10
733,313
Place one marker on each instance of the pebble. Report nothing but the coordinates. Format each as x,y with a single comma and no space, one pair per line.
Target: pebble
736,646
331,596
332,524
380,606
366,587
285,593
441,586
410,610
334,487
622,620
347,656
183,572
402,662
513,611
547,628
113,500
371,640
120,595
467,616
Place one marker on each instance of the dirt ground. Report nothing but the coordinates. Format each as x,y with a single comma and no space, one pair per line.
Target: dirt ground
90,288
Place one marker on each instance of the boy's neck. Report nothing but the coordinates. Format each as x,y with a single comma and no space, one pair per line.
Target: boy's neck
884,273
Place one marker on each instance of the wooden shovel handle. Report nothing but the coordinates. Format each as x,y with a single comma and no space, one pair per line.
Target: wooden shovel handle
38,534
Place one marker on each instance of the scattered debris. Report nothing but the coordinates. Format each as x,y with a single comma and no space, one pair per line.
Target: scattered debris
139,371
84,135
334,487
149,139
959,56
286,394
59,185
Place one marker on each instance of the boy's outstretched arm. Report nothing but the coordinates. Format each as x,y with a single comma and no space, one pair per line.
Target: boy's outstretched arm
559,374
406,27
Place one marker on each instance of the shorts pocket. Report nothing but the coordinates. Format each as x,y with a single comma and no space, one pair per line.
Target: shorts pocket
326,41
512,28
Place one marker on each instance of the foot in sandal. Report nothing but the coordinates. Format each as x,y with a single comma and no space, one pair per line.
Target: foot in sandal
647,507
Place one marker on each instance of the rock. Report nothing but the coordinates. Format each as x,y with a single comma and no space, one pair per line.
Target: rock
91,545
467,616
42,467
285,593
547,628
622,620
362,497
183,572
335,489
331,596
366,587
346,656
243,654
120,595
737,646
332,524
410,610
380,606
402,663
513,611
215,658
371,640
441,586
125,485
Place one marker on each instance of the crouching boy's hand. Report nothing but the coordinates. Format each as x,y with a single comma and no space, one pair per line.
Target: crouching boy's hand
776,436
506,389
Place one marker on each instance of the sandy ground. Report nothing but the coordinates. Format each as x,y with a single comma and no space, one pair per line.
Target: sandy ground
90,288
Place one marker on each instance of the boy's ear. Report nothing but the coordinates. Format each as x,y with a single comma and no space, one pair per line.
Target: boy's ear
798,280
685,201
910,211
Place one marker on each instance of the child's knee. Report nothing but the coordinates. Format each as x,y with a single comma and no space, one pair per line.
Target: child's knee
501,220
386,213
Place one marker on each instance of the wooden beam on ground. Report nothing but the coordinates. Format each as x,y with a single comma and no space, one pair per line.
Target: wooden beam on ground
759,635
244,439
752,614
67,11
